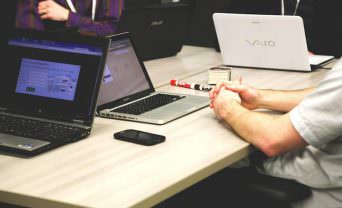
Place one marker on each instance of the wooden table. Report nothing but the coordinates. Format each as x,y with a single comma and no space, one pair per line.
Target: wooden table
102,172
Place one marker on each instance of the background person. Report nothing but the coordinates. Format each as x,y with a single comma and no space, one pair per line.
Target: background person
97,17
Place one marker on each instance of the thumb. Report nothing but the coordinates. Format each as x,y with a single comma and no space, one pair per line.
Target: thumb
236,88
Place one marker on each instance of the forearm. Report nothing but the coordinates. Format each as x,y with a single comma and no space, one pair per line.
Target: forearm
273,135
281,100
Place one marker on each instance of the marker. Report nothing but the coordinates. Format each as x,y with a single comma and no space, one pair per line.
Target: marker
203,87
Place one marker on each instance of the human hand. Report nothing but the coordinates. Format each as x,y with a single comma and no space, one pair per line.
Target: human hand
223,103
215,90
49,9
249,96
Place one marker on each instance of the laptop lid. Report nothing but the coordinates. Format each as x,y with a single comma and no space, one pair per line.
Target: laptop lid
125,77
53,76
262,41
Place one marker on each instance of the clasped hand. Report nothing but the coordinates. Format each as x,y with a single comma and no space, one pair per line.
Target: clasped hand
226,96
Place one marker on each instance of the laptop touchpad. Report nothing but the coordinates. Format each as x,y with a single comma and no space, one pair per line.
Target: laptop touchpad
169,110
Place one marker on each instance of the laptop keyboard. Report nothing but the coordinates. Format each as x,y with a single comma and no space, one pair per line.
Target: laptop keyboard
148,104
41,130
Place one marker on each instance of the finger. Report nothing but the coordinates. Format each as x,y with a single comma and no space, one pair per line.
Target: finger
43,4
211,93
42,11
211,105
218,87
236,88
45,16
41,8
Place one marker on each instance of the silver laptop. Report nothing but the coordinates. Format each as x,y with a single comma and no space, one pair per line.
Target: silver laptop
127,92
265,41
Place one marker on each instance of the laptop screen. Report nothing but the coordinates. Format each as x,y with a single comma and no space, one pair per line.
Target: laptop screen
48,79
52,77
123,74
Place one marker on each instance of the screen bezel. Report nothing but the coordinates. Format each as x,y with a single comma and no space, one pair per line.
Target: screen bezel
85,118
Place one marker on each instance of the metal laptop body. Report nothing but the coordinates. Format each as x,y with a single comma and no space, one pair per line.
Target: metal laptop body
126,81
51,79
263,41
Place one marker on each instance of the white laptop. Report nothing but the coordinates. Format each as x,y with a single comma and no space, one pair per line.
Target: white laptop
127,92
265,41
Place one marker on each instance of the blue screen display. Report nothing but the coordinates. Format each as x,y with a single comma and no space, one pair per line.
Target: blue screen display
48,79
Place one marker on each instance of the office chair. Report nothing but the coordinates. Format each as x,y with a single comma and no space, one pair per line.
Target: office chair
276,190
242,187
246,188
268,188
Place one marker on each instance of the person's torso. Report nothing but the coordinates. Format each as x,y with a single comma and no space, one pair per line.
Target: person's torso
28,18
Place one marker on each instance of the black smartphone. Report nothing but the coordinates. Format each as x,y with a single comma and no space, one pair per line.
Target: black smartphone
139,137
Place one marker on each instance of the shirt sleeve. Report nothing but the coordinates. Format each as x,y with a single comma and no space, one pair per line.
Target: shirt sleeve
107,17
318,118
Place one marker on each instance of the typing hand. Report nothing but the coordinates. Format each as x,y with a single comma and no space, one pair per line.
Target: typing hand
49,9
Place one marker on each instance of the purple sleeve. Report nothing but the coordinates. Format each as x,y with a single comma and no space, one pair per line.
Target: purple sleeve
27,17
106,19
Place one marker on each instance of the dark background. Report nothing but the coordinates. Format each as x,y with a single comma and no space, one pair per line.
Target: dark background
322,20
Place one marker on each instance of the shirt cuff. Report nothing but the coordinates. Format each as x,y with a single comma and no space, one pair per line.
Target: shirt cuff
74,20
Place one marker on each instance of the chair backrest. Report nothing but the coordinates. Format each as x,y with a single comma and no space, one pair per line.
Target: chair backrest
158,28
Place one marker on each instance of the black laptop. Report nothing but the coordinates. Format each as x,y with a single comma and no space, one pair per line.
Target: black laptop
49,90
158,27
